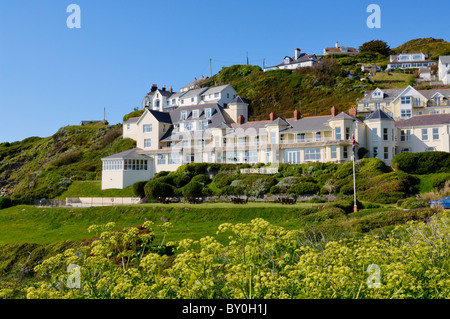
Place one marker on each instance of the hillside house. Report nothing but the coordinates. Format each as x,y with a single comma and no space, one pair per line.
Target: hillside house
340,50
404,103
299,60
409,61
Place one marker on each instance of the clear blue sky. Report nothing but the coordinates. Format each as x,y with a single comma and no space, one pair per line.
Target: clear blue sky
52,76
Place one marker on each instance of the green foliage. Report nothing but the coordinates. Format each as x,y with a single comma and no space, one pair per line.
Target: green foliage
422,163
303,188
430,46
362,151
412,203
375,46
5,202
139,189
193,189
155,189
135,113
438,180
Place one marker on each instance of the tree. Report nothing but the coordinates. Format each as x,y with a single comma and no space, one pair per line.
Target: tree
375,46
155,189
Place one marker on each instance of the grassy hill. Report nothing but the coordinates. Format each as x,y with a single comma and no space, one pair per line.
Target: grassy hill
430,46
46,167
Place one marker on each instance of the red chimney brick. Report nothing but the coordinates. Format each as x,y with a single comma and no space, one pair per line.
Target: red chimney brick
272,116
353,112
333,110
297,115
241,119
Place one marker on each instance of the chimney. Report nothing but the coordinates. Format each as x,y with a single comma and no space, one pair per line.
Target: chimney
171,89
195,79
297,115
333,110
154,87
272,116
241,119
297,52
164,88
353,112
336,45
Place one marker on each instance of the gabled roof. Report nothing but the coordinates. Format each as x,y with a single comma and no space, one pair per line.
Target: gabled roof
238,99
215,89
278,122
378,114
444,58
423,120
344,116
161,116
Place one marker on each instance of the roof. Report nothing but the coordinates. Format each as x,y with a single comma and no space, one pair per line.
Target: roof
378,114
339,50
163,117
302,57
278,121
444,58
132,120
392,94
194,93
215,89
424,120
238,99
130,154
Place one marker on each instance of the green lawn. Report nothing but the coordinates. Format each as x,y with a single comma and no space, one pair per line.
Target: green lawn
392,80
94,189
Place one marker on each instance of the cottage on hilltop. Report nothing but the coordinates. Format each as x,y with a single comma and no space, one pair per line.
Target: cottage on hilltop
299,60
340,50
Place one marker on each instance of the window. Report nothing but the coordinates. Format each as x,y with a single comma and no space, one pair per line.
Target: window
375,151
417,101
405,150
292,156
267,156
424,134
338,133
147,128
208,113
192,99
174,158
333,152
204,125
135,165
216,94
147,143
388,104
405,113
253,156
128,126
377,104
345,152
195,114
312,154
385,134
435,133
161,159
113,165
375,135
386,152
366,105
273,138
300,138
405,100
405,135
437,101
217,139
317,136
186,126
241,141
347,133
210,157
256,141
183,114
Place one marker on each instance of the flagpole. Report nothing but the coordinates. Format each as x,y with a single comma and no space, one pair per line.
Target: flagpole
355,206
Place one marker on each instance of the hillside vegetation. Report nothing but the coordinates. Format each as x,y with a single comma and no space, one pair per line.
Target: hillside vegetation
45,167
430,46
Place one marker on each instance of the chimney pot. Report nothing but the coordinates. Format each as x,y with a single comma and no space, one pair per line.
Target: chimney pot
272,116
336,45
333,110
353,112
297,115
241,119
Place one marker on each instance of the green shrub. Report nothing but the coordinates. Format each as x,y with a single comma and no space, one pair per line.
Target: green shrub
287,183
438,180
422,163
221,180
180,180
347,204
138,189
154,189
324,214
304,188
5,202
201,178
412,203
192,190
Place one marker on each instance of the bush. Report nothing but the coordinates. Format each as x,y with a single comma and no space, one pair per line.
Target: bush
138,189
201,178
412,203
304,188
5,202
287,183
346,204
155,189
438,180
221,180
422,163
324,214
192,190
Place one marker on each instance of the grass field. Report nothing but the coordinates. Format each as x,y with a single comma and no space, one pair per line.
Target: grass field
392,80
94,189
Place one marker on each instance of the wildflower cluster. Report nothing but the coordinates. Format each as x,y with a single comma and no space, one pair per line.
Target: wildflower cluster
260,260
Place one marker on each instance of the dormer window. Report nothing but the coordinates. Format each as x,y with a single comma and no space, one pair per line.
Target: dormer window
208,113
195,114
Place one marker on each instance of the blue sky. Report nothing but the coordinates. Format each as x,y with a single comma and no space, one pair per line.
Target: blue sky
52,76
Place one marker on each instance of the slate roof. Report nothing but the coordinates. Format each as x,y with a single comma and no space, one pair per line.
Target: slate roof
391,94
130,154
424,120
444,58
378,114
163,117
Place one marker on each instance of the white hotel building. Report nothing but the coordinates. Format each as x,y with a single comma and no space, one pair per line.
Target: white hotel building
209,125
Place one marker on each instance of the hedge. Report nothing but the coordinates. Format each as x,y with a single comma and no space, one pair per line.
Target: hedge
422,163
5,202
